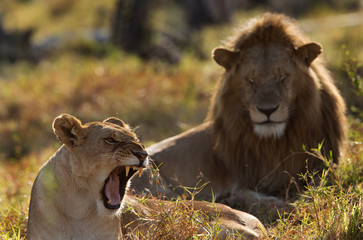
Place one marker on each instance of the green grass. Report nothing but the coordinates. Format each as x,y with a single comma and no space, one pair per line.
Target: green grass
163,101
328,210
179,221
93,89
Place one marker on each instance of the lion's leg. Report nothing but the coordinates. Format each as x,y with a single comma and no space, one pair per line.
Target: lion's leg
257,203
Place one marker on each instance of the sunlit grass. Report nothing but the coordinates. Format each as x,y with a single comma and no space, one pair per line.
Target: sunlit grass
162,100
178,220
13,223
326,211
15,186
144,94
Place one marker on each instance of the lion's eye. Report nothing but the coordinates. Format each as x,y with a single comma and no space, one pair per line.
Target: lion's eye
110,140
281,79
251,81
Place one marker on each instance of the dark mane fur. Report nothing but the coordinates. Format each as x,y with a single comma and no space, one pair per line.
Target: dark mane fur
269,29
319,115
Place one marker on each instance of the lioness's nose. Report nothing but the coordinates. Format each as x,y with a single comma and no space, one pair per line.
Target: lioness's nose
267,110
141,155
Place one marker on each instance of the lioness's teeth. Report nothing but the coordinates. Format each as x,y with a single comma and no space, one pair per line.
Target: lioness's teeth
109,202
127,168
140,172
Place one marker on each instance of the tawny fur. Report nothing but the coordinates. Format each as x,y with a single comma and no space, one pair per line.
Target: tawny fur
320,114
225,151
67,199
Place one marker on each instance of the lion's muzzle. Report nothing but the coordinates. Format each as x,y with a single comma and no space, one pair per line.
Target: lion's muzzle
115,184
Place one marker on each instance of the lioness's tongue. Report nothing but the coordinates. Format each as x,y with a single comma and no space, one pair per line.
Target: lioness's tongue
112,188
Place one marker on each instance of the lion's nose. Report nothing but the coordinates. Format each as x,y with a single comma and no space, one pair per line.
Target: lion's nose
141,155
267,110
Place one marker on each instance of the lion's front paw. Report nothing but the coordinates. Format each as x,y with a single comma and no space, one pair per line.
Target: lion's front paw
263,206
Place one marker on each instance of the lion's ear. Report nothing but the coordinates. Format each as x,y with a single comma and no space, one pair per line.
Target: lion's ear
224,57
116,121
69,130
308,52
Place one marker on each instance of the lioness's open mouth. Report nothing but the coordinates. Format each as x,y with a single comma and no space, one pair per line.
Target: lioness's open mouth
115,185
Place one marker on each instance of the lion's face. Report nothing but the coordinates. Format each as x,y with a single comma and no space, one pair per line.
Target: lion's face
266,91
104,156
262,79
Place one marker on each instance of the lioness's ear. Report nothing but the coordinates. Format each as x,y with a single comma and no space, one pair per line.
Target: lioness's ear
117,122
68,129
224,57
308,52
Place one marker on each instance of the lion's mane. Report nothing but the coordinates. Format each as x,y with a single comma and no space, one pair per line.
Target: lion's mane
318,115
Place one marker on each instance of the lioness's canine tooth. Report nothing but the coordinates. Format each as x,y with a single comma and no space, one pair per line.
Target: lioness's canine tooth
109,202
127,168
140,172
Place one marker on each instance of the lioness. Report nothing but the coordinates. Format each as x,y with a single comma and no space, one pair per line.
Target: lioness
81,191
274,99
78,192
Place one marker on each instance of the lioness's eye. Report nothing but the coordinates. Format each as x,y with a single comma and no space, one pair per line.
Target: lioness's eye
110,141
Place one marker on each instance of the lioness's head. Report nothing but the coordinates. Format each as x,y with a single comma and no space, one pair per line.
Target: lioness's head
266,75
103,157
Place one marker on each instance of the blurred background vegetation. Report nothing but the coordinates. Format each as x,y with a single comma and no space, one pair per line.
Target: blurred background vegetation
144,61
147,62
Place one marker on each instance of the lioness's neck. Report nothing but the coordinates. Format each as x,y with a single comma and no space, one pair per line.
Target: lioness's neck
58,183
64,211
67,173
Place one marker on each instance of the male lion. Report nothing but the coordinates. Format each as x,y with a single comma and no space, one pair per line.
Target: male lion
81,191
274,100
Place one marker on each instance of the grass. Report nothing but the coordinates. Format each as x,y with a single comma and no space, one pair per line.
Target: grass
94,90
329,209
176,222
163,101
15,185
178,219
